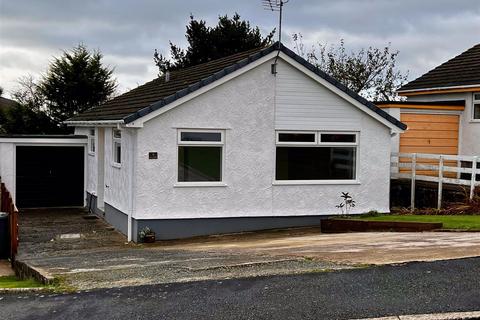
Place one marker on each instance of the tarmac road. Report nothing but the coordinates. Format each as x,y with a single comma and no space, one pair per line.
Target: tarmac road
413,288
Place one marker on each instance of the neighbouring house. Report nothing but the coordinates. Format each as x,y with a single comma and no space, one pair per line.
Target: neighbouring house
6,104
442,109
257,140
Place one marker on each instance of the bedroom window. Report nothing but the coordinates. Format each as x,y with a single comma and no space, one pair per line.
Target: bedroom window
200,155
117,146
325,156
91,141
476,106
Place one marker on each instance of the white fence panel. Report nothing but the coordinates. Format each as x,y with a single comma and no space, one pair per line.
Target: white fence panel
415,164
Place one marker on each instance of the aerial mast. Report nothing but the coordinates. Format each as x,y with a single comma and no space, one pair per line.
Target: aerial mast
276,6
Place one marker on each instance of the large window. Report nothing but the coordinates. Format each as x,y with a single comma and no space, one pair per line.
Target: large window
316,156
91,141
476,106
200,155
117,146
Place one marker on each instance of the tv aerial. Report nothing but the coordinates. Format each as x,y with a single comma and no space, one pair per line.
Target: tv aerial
276,6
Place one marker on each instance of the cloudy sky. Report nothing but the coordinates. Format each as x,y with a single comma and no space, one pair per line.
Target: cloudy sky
427,32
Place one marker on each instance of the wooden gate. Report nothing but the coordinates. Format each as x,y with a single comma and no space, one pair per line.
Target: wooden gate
7,205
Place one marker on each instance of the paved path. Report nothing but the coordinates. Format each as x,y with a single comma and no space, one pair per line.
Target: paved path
346,248
414,288
5,268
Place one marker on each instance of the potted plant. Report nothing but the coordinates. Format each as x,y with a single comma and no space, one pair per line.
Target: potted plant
147,235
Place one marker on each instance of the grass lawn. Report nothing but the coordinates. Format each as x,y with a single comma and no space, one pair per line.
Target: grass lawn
12,282
449,222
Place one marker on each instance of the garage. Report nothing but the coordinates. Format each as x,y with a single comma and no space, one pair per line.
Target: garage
430,133
44,171
49,176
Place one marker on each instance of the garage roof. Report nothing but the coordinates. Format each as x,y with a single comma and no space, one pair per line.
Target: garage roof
158,93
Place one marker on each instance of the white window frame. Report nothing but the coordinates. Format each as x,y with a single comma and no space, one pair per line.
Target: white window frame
474,102
92,141
116,140
319,144
286,143
220,143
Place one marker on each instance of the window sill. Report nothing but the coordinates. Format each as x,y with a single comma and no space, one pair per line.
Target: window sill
116,165
474,120
91,154
199,184
313,182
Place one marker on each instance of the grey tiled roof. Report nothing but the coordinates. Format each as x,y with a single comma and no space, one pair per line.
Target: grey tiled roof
157,93
463,70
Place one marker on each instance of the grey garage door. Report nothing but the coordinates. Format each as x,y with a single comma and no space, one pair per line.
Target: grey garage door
49,176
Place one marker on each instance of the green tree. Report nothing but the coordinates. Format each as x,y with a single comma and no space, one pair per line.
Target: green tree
229,36
75,82
371,72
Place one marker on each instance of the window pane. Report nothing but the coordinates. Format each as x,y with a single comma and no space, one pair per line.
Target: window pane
315,163
199,163
337,137
117,133
201,136
476,111
476,96
92,132
296,137
92,145
117,152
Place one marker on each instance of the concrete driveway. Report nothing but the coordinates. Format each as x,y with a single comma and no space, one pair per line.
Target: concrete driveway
87,253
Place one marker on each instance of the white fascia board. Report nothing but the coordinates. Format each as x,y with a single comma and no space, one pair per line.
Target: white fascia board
97,123
138,123
45,141
340,93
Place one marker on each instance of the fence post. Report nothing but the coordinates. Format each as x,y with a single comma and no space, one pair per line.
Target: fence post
474,177
440,183
414,172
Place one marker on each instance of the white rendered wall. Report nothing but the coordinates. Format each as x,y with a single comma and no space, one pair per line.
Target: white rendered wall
245,107
118,178
7,166
91,163
469,143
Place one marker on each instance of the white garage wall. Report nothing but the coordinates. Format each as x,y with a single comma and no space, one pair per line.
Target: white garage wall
245,108
7,166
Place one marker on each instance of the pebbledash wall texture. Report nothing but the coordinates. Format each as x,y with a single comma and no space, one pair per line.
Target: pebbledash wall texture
250,108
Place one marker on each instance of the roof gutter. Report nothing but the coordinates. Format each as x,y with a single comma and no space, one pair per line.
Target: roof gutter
440,88
93,123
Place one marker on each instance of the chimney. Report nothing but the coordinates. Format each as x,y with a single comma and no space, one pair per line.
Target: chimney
167,76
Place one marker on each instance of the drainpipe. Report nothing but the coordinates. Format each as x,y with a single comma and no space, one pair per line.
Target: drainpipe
132,180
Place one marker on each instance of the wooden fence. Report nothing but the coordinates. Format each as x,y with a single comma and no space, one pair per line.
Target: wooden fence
7,205
449,169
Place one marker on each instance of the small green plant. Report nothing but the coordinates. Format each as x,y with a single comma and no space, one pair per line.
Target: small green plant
147,235
347,204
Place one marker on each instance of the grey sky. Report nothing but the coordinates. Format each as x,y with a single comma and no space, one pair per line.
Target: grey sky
427,32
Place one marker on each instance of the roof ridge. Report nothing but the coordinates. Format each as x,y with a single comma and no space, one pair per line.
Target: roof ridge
140,106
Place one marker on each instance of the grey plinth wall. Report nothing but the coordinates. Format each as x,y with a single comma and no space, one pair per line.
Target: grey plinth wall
166,229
